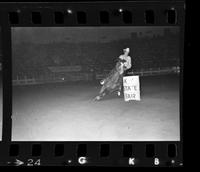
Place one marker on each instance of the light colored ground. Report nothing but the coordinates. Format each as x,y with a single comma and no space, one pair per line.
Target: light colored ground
62,112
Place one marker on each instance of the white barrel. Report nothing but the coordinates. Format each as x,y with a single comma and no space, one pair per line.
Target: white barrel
131,86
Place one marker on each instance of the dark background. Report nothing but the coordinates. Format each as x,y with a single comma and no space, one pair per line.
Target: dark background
34,50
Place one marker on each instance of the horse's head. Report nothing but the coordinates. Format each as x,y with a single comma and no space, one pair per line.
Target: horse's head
119,67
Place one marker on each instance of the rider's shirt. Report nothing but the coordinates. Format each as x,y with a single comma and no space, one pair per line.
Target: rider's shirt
127,62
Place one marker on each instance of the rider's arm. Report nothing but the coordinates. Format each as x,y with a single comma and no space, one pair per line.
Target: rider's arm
129,62
121,59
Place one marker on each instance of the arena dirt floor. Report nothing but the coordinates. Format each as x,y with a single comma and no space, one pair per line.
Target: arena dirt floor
67,112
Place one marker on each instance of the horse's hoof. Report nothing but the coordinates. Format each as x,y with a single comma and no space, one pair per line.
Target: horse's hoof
97,98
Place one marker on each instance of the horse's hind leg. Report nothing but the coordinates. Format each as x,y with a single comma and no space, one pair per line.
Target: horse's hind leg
119,91
120,87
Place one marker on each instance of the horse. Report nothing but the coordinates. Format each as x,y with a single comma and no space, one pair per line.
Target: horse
113,82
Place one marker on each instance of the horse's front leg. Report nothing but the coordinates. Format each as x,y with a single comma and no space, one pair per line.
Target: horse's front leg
102,93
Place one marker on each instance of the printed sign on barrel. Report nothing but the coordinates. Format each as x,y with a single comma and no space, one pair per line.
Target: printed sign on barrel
131,86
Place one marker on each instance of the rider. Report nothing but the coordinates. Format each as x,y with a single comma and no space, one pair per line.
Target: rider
126,60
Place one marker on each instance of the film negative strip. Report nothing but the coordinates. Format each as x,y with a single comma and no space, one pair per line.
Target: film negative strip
92,83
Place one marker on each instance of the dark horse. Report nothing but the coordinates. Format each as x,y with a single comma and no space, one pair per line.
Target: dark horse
113,82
